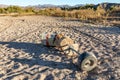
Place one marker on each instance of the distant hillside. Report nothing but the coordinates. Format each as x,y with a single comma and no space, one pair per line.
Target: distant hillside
107,6
55,6
103,5
3,6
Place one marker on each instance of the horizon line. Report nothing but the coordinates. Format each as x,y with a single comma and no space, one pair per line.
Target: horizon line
56,4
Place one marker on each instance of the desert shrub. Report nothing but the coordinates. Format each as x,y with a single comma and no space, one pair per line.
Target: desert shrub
29,10
100,11
13,9
87,6
114,8
58,13
43,12
2,10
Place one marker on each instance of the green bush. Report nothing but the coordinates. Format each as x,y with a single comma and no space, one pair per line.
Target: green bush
2,10
14,9
29,10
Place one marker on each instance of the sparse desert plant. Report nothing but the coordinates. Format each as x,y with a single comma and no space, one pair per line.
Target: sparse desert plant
14,9
2,10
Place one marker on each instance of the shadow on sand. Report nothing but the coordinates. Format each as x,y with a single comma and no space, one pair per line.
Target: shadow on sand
39,49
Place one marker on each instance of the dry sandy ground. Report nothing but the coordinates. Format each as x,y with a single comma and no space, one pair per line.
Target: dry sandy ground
22,57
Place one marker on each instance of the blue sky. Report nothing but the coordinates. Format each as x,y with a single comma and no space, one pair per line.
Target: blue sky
55,2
